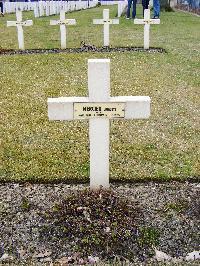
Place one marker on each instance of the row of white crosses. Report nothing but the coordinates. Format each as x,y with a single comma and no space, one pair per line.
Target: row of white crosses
106,22
11,7
99,108
19,24
47,8
63,22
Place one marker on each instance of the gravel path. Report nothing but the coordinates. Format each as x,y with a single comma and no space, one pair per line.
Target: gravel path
172,209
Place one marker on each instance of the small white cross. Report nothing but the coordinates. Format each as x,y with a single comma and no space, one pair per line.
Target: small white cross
99,107
41,8
146,21
19,23
63,22
106,21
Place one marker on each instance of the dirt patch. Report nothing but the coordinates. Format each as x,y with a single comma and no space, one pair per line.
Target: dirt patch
83,49
51,222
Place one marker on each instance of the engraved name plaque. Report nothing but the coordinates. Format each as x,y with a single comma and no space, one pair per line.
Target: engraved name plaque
97,110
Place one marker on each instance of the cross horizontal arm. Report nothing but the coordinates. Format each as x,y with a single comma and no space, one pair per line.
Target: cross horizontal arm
105,21
155,21
136,107
12,23
143,21
63,22
19,23
98,21
115,21
139,21
62,108
28,23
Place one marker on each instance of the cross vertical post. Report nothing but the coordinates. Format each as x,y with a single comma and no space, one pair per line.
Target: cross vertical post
147,21
63,31
106,31
99,108
41,8
146,28
20,30
106,21
63,23
47,8
19,24
99,91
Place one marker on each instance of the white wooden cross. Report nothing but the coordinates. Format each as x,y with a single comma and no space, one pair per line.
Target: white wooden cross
63,22
36,9
19,23
146,21
47,8
41,8
106,21
99,108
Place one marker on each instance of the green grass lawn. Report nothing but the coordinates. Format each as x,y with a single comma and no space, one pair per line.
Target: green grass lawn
164,147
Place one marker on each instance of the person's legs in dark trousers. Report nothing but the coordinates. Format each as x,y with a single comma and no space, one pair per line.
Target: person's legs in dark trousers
1,7
128,8
145,4
156,8
134,9
130,2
